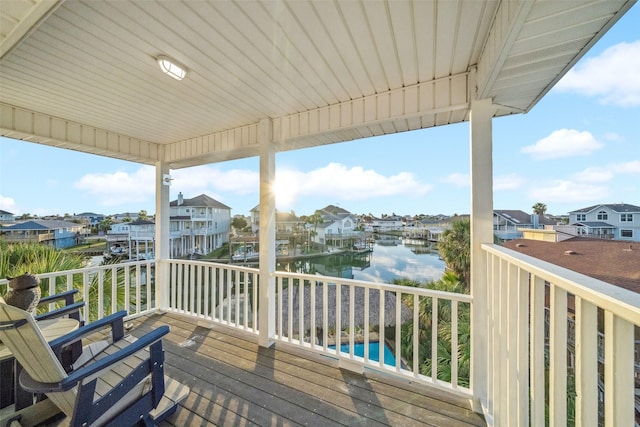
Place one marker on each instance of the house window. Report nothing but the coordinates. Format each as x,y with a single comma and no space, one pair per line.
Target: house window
626,233
581,217
603,216
626,217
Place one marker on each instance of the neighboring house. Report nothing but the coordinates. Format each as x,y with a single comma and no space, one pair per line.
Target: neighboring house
142,236
118,236
382,225
507,223
338,228
198,225
435,227
56,233
92,219
7,218
286,222
125,215
613,221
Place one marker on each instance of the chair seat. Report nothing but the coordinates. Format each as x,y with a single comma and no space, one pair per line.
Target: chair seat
50,328
174,393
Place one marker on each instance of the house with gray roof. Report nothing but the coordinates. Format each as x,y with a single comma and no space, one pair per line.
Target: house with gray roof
198,225
57,233
7,217
337,229
286,222
620,221
506,223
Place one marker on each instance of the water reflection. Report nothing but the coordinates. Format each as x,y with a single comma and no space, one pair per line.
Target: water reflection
391,259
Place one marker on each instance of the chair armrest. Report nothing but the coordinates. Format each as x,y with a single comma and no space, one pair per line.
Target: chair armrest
67,296
31,385
70,309
115,321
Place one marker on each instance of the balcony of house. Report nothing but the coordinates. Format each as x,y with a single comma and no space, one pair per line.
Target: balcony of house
557,343
29,237
200,231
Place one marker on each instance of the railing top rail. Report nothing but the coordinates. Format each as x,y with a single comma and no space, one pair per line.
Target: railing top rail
379,286
83,269
625,303
212,264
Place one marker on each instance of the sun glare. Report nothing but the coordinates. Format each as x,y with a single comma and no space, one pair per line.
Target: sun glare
285,191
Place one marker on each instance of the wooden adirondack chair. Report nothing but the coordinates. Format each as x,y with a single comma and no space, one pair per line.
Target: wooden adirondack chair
118,381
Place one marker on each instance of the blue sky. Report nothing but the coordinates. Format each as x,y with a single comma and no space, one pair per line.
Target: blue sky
579,146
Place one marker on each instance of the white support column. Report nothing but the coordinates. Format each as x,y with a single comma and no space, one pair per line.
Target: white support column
267,290
162,235
481,232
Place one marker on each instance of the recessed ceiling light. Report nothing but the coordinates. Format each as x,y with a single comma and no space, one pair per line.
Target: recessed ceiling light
171,67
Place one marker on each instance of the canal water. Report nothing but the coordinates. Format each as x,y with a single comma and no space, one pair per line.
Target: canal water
389,260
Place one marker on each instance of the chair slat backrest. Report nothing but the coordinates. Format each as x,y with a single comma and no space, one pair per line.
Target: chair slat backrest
20,333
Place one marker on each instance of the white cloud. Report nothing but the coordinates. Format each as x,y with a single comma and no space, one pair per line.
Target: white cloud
202,179
632,167
457,179
612,76
563,143
566,191
606,173
342,183
335,180
8,204
119,188
508,182
593,174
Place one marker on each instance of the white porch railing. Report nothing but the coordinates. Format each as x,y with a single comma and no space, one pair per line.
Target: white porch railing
343,317
527,376
105,289
228,294
214,292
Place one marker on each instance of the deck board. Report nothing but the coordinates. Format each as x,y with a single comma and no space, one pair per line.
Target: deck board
235,382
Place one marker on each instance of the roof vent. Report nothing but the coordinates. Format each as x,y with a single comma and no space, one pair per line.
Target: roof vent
570,252
520,245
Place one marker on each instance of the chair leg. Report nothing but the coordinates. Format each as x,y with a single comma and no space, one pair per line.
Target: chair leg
23,398
6,383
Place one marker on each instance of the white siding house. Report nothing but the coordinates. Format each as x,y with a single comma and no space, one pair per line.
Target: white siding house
338,228
198,225
7,217
611,221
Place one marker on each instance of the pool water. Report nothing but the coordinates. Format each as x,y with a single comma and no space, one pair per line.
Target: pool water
374,352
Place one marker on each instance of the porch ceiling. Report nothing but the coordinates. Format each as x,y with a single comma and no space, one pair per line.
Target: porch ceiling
82,74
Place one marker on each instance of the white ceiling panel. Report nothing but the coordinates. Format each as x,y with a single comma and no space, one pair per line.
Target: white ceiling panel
322,71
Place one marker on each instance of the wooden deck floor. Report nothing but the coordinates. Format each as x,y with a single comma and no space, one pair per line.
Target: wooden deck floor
234,382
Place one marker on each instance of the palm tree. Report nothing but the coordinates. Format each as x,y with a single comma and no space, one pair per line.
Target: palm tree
455,248
17,259
539,208
445,354
314,219
105,225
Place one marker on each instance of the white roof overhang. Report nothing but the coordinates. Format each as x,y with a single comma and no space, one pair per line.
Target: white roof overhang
82,74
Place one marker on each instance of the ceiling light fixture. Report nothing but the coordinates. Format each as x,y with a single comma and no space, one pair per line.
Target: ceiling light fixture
171,68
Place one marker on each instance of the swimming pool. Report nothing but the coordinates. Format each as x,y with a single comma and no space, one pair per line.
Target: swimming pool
374,352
